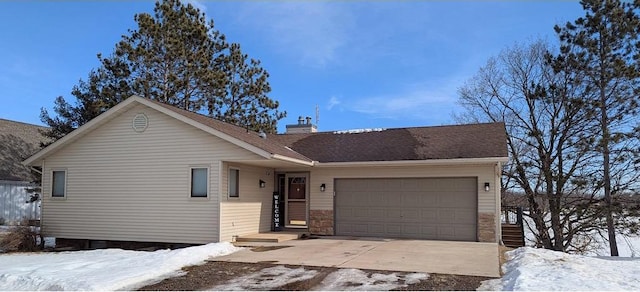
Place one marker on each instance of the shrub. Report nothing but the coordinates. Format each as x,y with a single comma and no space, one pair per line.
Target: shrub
20,238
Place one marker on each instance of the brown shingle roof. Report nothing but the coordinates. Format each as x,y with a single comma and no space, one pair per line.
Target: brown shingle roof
420,143
237,132
17,142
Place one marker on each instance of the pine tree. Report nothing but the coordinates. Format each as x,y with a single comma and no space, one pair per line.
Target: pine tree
603,46
176,57
245,101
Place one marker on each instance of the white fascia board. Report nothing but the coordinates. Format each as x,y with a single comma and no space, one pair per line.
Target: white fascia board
456,161
292,160
80,130
208,129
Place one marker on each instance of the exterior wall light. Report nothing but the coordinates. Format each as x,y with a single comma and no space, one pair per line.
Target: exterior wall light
323,187
486,187
262,184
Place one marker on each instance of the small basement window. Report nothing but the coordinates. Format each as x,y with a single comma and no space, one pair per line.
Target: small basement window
58,183
234,183
199,182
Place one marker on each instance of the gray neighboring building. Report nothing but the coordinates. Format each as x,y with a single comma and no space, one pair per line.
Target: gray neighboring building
17,142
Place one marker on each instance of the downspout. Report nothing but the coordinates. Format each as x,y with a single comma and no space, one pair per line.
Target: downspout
498,196
220,196
42,201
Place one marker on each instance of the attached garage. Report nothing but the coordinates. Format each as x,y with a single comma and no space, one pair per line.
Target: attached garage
417,208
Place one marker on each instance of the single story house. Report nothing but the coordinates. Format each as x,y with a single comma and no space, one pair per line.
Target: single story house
18,141
148,172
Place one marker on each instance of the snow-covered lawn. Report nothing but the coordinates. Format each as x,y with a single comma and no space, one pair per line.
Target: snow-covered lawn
539,269
106,269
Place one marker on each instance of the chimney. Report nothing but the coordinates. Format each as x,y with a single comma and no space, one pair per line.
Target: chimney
304,126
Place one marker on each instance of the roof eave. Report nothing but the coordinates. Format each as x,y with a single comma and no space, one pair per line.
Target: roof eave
292,160
454,161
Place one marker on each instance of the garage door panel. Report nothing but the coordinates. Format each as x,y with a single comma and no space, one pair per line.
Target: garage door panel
410,199
422,208
388,185
445,216
429,231
465,217
464,229
378,213
394,214
429,214
455,199
428,198
376,199
345,212
411,215
360,214
446,232
394,229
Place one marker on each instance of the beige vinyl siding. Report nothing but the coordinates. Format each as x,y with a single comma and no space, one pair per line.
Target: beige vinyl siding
324,200
123,185
249,213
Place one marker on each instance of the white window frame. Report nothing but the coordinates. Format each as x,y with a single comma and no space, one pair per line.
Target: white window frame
191,168
64,193
229,195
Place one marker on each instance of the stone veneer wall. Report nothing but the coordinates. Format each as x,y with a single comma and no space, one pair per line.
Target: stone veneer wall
321,222
486,227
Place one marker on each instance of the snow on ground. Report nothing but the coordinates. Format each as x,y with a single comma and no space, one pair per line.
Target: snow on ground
358,280
628,246
342,279
105,269
540,269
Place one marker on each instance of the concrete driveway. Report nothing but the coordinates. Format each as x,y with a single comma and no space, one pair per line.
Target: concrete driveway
443,257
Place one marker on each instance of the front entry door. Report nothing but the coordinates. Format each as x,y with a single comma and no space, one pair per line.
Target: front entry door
296,194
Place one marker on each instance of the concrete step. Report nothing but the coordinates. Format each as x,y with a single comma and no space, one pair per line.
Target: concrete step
273,237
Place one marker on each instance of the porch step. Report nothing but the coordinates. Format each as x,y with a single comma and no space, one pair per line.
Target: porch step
272,237
512,235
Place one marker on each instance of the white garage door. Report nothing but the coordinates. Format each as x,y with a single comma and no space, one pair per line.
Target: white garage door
420,208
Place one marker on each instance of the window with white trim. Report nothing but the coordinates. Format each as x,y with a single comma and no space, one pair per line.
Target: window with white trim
199,182
58,183
234,183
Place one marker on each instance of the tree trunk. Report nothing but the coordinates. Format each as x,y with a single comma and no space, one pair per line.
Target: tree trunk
556,226
606,163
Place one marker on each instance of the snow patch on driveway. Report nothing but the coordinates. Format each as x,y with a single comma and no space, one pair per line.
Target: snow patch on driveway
340,280
358,280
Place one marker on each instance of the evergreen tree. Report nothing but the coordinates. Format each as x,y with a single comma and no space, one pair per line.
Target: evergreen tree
245,101
603,47
175,57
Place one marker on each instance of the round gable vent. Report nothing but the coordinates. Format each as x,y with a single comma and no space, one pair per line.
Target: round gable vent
140,123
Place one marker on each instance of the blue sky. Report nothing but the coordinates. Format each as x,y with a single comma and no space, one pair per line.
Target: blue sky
375,64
